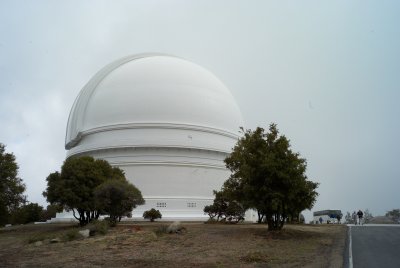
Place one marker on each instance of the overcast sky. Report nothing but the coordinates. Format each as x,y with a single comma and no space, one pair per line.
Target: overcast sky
327,72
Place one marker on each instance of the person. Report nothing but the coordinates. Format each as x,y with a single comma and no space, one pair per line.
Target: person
320,220
360,215
354,216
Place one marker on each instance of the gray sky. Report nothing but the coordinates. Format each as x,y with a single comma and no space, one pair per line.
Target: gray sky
327,72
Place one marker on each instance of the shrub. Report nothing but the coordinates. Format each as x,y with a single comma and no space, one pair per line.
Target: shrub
99,227
71,235
225,210
117,198
26,214
162,229
211,221
37,237
152,214
50,212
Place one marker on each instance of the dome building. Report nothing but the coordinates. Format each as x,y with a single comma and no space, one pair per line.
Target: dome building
167,122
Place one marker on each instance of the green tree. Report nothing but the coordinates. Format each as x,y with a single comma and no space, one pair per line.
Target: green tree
269,177
50,212
218,207
27,213
117,198
73,188
234,212
225,209
11,186
152,214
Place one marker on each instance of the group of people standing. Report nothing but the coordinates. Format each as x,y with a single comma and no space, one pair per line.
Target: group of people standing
357,217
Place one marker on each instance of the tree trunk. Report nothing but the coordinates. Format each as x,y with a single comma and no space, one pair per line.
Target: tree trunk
73,213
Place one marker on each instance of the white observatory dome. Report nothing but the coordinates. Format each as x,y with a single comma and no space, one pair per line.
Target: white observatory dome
167,122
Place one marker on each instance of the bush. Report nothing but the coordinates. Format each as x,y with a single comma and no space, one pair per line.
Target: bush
117,198
50,212
163,229
152,214
99,227
37,237
26,214
224,210
71,235
211,221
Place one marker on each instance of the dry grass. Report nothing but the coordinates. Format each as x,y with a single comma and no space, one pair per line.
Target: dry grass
201,245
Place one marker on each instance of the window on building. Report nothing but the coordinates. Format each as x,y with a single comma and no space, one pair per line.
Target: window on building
191,205
161,204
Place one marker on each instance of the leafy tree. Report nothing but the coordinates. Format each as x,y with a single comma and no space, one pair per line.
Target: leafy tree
27,213
219,206
11,186
54,189
394,214
152,214
73,188
225,209
50,212
211,211
117,198
234,212
269,177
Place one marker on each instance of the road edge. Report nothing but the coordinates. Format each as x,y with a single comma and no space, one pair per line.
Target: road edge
346,250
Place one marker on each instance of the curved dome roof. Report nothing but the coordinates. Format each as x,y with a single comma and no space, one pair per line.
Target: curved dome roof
152,89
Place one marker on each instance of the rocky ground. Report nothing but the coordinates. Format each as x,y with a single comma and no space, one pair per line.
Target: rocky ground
197,245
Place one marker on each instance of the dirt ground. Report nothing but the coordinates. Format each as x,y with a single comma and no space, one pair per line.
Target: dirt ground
201,245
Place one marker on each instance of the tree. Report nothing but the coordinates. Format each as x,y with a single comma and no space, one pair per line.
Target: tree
218,207
152,214
234,212
73,188
117,198
225,209
269,177
211,211
27,213
11,186
394,214
50,212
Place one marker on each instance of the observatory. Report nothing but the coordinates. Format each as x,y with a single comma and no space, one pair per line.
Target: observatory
167,122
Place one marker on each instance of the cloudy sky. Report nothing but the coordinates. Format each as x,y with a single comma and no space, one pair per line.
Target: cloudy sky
327,72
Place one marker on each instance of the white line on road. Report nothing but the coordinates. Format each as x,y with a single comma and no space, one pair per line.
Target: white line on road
350,250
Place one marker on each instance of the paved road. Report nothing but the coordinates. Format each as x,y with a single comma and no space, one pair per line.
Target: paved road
375,245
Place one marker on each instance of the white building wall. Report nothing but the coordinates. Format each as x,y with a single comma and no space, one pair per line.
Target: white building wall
178,182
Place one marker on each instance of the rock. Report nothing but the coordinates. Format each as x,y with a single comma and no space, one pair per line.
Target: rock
85,233
38,243
55,240
175,227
